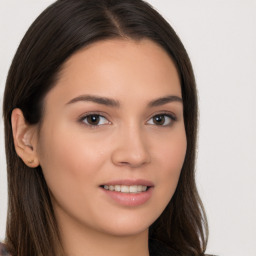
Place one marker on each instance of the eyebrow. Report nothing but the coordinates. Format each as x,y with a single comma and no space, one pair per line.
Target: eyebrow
96,99
116,104
165,100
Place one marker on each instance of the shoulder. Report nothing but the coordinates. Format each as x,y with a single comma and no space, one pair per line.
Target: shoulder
3,251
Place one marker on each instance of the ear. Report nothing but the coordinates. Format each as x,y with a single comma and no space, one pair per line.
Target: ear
25,139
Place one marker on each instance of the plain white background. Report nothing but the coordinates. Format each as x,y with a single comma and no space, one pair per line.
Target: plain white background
220,37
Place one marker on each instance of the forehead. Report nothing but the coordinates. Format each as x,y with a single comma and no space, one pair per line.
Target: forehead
117,67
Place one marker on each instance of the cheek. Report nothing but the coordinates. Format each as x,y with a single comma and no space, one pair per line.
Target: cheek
64,150
171,156
71,168
68,161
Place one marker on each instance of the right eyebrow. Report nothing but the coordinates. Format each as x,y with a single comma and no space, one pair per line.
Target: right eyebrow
99,100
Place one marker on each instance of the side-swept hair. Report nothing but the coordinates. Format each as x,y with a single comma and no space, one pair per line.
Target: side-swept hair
62,29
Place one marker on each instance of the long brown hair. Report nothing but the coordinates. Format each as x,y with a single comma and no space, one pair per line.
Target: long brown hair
62,29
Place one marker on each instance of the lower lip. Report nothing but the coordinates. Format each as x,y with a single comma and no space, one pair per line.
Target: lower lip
129,199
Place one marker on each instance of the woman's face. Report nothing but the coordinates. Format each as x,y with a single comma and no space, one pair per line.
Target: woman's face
114,121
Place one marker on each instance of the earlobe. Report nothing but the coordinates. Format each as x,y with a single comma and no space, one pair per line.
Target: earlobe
24,136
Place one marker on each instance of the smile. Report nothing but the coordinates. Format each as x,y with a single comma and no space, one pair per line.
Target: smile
126,189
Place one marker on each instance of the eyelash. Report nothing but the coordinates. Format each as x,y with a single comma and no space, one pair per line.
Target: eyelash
97,115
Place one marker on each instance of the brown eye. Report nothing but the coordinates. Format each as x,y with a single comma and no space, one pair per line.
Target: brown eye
159,120
162,120
94,120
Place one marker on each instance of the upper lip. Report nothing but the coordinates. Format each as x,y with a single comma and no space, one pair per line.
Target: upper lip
130,182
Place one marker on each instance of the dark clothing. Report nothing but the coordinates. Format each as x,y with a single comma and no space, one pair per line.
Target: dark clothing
156,248
3,251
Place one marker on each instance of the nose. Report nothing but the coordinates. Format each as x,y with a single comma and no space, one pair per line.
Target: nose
131,148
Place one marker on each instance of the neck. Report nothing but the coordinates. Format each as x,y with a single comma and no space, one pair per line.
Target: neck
82,241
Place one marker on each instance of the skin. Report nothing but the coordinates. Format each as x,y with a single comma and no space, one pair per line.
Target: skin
127,143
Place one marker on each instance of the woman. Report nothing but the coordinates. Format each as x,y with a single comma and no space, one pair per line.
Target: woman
100,112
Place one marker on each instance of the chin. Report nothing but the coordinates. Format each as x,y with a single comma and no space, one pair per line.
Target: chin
125,231
127,225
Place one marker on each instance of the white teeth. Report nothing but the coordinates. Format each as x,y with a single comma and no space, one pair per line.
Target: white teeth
133,189
144,188
117,188
126,189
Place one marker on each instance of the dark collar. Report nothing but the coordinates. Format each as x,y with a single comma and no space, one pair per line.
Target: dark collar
158,248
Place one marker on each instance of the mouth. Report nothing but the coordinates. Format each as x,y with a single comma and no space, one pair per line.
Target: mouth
128,192
126,189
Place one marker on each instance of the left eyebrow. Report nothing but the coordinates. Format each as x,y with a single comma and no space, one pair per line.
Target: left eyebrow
165,100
